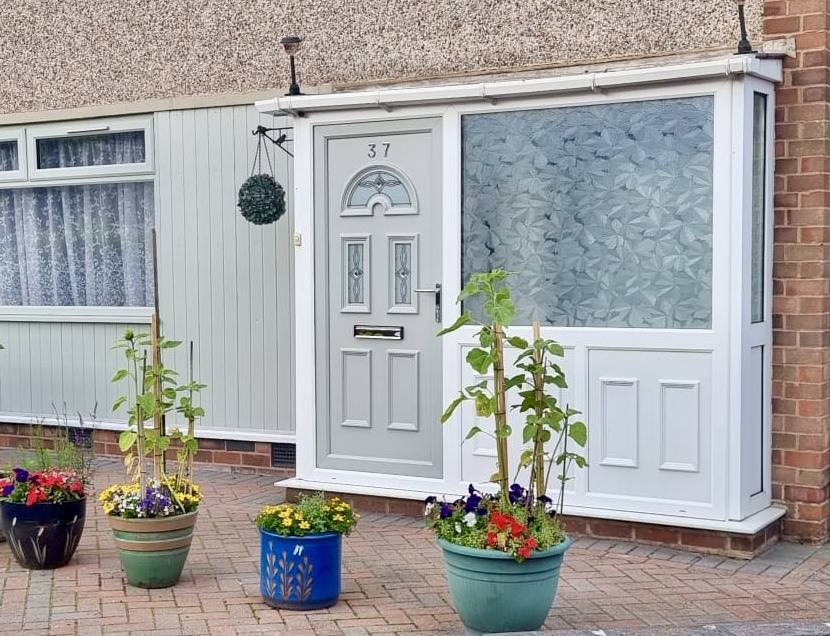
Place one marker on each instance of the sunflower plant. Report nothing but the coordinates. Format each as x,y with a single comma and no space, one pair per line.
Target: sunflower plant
518,518
152,392
312,514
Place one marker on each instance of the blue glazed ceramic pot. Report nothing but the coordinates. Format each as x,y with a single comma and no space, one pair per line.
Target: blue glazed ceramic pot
300,573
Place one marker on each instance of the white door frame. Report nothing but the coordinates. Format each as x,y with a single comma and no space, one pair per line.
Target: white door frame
450,102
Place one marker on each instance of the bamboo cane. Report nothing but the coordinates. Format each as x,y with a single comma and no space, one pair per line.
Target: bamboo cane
501,413
159,460
538,477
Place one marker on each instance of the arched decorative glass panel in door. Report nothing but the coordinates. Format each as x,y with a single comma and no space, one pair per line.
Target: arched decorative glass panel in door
604,211
379,190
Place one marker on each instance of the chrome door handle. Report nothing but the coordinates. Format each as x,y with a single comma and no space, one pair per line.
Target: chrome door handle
437,291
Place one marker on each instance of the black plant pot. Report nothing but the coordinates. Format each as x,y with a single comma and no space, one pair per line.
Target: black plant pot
45,535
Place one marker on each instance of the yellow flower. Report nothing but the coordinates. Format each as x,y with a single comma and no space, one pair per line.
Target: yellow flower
286,522
304,525
338,518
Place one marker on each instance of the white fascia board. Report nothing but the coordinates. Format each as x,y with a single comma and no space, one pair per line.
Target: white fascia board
767,69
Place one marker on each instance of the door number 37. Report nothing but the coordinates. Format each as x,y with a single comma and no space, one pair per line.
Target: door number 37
383,151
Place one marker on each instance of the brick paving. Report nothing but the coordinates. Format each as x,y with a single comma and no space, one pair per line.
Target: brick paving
393,583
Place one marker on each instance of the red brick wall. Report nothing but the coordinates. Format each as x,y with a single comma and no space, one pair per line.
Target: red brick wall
801,271
236,456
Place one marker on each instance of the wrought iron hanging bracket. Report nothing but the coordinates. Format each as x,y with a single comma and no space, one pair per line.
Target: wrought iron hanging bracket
280,139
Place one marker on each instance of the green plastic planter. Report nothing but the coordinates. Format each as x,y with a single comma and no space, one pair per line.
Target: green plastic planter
153,551
493,593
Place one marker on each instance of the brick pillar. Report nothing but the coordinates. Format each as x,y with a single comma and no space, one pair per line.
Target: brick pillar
801,271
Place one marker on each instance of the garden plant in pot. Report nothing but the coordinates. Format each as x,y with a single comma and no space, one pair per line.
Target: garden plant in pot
301,549
152,518
43,498
503,549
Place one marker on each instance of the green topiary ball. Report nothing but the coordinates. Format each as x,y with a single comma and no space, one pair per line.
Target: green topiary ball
261,199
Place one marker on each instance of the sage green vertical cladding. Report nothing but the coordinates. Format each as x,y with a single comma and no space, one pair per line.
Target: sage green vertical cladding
225,283
64,367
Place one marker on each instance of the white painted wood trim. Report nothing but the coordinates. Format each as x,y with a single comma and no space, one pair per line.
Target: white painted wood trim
305,342
86,315
768,69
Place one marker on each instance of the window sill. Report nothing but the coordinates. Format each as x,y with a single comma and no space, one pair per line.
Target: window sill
119,315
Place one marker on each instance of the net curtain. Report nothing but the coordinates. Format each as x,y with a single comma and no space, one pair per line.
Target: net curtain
82,245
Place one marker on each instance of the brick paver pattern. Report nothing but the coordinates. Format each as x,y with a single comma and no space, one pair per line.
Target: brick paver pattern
393,581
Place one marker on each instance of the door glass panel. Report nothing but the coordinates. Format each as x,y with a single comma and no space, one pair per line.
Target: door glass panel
403,273
8,156
355,270
603,211
759,162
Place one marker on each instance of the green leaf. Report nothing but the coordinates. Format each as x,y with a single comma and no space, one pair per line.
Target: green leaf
516,341
504,431
126,439
462,320
485,405
528,433
120,401
451,408
479,359
578,432
147,402
475,430
120,375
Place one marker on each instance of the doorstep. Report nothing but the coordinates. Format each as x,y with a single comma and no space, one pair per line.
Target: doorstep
742,539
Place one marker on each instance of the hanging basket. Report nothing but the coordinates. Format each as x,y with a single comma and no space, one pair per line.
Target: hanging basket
261,199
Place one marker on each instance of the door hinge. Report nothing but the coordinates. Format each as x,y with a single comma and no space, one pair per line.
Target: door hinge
298,239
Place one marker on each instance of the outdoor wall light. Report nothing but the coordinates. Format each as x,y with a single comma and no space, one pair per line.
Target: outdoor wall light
291,44
743,46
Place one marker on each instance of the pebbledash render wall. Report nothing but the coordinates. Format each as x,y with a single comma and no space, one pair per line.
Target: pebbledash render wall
89,58
801,270
90,53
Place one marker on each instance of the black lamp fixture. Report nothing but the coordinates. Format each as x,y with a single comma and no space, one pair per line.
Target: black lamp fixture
743,46
291,44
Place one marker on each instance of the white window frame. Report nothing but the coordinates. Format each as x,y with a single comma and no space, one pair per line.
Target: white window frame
68,129
27,137
17,134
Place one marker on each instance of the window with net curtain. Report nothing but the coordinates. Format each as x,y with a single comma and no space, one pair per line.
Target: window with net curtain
86,244
603,211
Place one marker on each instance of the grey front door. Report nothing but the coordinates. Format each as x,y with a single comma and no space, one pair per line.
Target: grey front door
378,266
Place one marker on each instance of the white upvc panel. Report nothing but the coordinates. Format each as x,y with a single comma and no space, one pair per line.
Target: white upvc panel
712,474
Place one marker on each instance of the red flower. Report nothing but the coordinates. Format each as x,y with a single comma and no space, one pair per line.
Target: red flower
492,539
35,495
500,521
523,551
530,542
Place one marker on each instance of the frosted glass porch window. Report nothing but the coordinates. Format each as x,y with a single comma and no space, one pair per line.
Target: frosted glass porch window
604,211
759,164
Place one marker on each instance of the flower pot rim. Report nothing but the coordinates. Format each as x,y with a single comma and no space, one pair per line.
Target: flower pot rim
483,553
313,535
170,522
39,503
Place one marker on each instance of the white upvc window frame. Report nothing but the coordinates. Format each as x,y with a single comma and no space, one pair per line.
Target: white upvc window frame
16,134
718,77
30,176
85,128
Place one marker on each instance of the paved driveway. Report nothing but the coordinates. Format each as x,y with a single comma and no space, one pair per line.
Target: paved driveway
393,583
